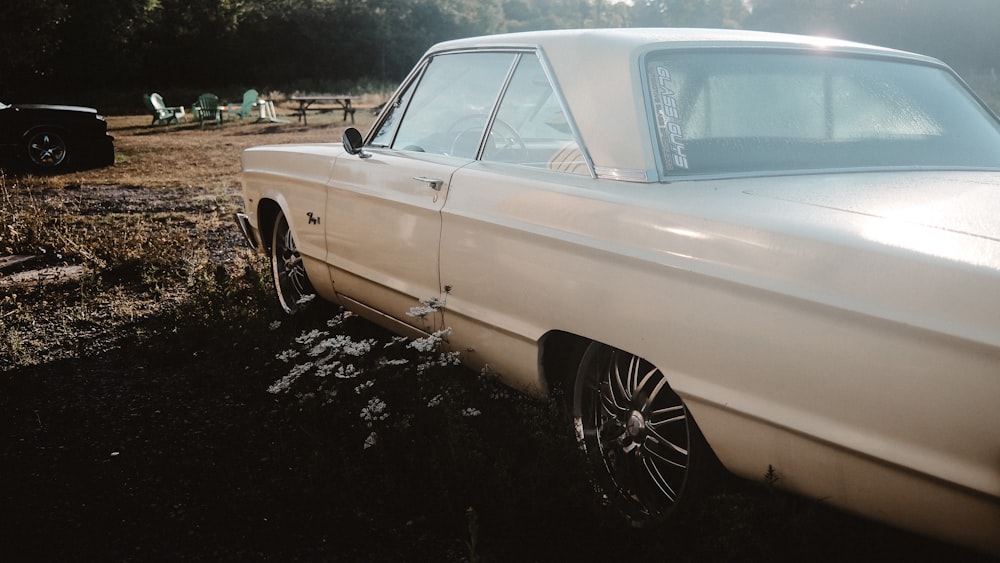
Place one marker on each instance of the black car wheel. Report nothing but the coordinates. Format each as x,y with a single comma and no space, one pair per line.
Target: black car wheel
47,150
289,273
644,448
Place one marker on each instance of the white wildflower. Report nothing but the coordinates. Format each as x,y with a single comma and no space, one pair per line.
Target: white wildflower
343,345
300,369
429,342
427,307
471,411
435,400
274,325
363,386
309,337
324,369
338,319
446,359
288,355
282,385
420,312
376,410
358,348
371,440
346,371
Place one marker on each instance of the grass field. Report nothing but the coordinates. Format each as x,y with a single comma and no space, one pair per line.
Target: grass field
138,344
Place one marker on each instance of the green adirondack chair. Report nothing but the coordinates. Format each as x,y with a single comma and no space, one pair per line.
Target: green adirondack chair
250,98
161,112
207,109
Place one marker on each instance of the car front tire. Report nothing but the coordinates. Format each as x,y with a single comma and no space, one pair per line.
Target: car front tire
291,283
47,150
645,450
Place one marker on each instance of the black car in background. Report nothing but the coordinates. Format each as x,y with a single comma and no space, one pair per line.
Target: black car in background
53,138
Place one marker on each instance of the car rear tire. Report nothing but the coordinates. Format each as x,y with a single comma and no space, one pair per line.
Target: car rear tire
645,450
291,283
47,150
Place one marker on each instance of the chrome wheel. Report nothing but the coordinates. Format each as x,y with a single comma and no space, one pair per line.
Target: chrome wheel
46,149
289,273
637,433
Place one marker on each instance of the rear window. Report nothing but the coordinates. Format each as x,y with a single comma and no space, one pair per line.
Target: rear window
756,112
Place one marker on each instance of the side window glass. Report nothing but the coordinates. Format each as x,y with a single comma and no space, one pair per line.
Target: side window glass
394,110
531,128
450,105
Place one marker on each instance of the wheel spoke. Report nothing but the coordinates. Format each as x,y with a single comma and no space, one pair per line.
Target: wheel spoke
640,380
622,389
657,478
666,450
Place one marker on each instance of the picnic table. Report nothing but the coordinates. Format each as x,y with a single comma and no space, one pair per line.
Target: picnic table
307,100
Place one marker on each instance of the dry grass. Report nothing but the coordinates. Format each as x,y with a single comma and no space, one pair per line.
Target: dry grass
186,155
112,246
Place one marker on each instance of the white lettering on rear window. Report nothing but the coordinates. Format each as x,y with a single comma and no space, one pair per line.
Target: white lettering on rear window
667,111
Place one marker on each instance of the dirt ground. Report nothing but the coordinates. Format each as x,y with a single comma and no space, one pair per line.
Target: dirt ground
135,423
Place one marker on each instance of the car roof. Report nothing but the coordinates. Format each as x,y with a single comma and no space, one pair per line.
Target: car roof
629,39
596,71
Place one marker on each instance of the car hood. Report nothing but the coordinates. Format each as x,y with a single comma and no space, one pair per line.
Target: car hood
52,107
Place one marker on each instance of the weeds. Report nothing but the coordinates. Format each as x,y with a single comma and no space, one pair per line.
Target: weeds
380,384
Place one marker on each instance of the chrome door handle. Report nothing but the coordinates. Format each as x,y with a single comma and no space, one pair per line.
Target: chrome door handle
434,183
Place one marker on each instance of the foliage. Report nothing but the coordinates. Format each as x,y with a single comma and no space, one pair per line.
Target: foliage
960,32
60,48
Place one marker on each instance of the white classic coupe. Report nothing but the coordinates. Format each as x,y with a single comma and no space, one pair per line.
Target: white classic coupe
793,241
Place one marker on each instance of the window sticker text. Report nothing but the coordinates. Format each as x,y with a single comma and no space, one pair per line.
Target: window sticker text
666,111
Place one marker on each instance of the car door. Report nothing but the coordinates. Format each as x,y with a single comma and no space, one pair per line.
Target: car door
507,246
383,215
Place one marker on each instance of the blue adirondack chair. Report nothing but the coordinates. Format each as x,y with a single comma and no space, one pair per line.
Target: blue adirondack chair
250,98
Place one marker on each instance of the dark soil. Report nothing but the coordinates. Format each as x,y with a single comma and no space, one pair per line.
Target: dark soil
162,449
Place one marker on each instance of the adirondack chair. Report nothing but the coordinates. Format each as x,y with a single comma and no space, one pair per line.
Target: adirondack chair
161,112
250,98
207,109
266,108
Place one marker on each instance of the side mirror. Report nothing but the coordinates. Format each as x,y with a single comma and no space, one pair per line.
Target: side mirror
353,142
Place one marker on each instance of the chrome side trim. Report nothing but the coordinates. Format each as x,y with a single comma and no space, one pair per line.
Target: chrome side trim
380,318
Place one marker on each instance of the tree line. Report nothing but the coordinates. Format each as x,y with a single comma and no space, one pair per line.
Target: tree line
51,50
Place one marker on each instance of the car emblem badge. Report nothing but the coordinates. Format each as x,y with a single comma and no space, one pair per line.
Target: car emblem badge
636,424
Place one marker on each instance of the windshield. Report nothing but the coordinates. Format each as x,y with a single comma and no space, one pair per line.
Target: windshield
757,112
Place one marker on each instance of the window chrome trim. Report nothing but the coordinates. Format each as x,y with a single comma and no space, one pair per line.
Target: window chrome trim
570,120
496,104
411,79
625,174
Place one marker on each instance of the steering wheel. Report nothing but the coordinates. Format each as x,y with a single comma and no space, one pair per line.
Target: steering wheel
504,144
